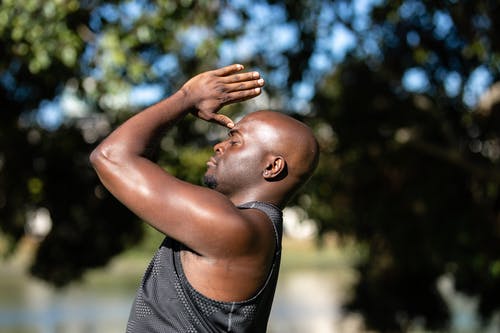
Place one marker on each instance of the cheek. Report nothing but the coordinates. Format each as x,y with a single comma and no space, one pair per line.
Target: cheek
244,164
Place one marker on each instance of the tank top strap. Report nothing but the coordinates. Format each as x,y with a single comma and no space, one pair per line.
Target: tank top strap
273,212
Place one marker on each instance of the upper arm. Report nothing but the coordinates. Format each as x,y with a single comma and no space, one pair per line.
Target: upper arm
202,219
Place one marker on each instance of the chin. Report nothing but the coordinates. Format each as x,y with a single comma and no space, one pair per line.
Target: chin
210,181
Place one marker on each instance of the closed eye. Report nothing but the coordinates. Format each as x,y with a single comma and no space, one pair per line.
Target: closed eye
233,138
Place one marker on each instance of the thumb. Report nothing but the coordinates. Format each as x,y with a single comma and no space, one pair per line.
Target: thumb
223,120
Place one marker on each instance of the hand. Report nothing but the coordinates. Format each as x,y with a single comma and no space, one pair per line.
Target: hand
208,92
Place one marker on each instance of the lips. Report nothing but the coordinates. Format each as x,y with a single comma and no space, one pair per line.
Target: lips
212,162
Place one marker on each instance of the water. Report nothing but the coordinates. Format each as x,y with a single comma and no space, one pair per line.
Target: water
306,301
310,300
31,306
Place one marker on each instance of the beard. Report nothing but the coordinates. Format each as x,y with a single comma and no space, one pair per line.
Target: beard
210,181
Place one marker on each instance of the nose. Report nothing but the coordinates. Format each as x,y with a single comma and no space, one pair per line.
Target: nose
219,147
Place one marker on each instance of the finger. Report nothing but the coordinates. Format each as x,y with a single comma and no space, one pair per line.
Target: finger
244,85
224,71
240,96
223,120
240,77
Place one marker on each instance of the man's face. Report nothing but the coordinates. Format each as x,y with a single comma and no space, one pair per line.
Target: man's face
238,161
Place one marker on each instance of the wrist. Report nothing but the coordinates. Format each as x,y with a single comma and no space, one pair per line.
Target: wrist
182,100
189,104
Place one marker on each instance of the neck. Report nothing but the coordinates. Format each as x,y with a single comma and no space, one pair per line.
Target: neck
262,196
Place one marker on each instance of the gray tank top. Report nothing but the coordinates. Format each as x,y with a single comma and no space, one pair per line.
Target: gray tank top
166,301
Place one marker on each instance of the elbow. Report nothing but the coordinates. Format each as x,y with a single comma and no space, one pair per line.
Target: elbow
96,157
102,156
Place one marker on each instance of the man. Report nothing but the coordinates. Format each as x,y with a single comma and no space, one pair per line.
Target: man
217,269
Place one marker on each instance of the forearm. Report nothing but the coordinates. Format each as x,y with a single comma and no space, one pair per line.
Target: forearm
121,157
140,133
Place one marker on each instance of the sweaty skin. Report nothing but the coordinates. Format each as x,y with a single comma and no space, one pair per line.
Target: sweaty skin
266,157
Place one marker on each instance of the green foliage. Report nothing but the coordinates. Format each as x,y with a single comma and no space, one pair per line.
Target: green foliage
411,173
38,33
406,176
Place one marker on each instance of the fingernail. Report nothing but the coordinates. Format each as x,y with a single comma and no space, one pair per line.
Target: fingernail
256,74
239,67
230,125
260,81
257,90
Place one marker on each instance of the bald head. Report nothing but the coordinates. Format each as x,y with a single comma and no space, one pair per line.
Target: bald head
266,157
287,137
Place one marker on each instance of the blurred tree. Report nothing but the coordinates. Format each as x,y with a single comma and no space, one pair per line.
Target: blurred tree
40,166
414,171
409,165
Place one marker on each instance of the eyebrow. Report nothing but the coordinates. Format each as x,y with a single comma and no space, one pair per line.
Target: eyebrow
233,132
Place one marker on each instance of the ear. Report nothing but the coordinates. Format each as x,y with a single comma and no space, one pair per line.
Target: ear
275,168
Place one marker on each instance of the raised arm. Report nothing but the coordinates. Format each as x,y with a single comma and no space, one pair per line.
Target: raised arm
181,210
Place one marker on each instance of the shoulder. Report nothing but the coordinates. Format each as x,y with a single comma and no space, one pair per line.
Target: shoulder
235,232
259,233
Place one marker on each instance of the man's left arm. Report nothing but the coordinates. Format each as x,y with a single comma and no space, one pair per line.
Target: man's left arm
181,210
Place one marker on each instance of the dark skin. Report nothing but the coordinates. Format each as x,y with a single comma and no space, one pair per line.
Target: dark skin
266,157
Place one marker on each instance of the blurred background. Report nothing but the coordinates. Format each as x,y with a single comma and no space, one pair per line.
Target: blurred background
399,229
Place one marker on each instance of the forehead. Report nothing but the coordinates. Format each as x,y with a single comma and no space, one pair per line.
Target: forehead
256,129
